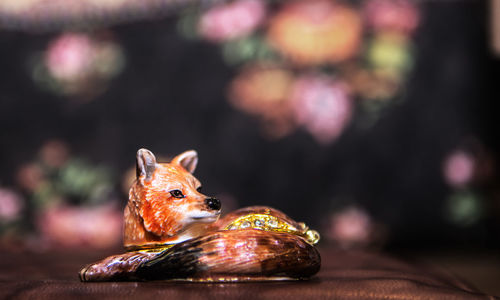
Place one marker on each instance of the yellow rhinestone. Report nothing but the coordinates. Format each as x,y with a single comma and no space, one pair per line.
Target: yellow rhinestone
312,236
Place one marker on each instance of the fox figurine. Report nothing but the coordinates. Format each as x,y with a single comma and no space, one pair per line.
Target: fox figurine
174,232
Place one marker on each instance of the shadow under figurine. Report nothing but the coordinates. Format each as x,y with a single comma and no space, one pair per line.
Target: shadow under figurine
173,232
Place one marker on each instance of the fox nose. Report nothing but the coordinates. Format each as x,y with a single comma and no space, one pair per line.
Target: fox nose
213,203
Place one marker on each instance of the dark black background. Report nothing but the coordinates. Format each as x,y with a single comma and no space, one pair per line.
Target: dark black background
171,97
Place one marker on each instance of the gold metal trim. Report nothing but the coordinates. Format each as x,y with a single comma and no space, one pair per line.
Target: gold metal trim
272,223
150,248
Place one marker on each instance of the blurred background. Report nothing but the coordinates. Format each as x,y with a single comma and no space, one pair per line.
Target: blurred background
373,121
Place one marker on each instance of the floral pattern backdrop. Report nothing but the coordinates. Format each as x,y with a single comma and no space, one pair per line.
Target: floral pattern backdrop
318,67
311,64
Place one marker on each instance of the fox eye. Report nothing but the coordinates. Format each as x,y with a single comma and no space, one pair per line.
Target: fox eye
177,194
198,189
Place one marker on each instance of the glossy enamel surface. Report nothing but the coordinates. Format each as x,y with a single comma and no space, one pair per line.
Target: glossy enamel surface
173,232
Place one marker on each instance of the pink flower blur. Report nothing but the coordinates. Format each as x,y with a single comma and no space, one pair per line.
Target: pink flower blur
322,105
459,168
350,227
11,205
68,226
69,56
232,20
399,15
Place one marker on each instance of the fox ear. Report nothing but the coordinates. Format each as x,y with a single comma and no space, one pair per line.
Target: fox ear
188,160
145,164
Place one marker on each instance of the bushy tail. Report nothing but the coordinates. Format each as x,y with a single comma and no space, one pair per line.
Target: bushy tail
246,254
239,254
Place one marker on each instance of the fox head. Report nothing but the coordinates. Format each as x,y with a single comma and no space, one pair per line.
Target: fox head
165,201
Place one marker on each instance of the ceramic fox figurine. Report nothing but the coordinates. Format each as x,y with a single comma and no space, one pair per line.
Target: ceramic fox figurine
173,232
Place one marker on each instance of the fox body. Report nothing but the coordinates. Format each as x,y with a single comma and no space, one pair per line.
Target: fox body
173,231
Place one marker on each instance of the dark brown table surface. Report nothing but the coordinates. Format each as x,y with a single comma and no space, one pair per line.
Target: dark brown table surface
343,275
